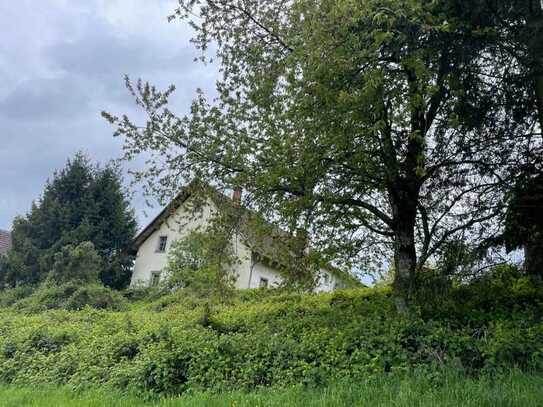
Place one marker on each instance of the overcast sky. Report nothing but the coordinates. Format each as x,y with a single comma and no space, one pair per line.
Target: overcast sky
62,62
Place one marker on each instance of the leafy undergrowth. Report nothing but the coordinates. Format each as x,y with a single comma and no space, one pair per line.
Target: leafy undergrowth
168,345
514,389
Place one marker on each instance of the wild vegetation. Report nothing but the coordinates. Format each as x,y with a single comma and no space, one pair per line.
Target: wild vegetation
176,343
400,133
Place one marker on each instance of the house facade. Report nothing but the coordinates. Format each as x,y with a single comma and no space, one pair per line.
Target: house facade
255,267
5,242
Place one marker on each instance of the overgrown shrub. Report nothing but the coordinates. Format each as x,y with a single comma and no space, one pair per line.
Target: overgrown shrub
46,297
173,344
95,296
76,264
200,263
9,296
69,296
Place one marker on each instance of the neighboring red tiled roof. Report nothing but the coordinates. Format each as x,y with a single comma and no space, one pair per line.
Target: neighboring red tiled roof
5,242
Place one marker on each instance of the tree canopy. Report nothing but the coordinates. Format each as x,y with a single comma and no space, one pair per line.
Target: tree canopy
379,127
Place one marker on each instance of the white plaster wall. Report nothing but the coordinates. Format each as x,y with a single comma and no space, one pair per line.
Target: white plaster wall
262,270
178,225
242,268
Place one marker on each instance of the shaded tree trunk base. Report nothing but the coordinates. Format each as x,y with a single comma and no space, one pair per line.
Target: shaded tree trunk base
401,305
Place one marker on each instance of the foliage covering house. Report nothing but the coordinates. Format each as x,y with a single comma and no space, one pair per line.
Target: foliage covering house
265,255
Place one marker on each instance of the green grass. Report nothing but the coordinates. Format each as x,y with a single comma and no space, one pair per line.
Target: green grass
515,389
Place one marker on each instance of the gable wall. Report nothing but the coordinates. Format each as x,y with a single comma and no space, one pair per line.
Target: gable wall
260,270
177,226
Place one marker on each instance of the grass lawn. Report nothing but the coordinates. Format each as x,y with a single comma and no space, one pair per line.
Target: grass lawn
515,389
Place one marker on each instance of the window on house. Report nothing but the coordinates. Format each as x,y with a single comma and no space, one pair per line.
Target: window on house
162,241
263,282
155,278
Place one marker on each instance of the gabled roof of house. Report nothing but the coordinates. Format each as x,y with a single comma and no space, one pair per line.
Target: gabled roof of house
5,242
164,214
263,238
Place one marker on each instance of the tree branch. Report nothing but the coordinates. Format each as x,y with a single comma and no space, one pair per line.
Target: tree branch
256,22
339,201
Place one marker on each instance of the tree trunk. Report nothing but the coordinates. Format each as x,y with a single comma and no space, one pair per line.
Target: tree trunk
404,210
533,258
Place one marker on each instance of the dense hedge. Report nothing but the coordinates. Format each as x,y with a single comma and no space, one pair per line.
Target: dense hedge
173,344
69,296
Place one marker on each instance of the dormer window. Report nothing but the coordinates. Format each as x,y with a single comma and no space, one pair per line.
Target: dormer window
162,242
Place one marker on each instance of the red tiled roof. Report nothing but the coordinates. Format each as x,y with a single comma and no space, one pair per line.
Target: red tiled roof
5,242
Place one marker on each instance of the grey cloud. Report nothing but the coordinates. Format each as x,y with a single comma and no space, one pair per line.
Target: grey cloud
38,99
63,63
106,55
101,52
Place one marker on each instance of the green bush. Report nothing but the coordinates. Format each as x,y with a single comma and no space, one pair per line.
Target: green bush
95,296
80,264
69,296
176,344
197,263
10,296
46,297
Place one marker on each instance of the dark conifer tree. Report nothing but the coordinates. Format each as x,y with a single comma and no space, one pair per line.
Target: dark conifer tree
82,202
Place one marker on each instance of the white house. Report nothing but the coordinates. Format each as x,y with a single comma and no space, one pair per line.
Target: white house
258,262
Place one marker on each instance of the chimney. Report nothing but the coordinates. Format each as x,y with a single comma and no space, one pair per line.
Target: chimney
236,195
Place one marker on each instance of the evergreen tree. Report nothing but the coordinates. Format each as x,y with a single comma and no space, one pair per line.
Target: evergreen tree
81,203
524,226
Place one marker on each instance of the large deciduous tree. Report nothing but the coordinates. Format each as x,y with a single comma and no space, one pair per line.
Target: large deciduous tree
376,126
81,203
